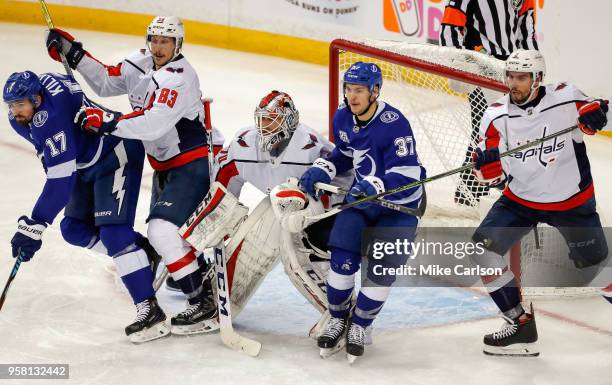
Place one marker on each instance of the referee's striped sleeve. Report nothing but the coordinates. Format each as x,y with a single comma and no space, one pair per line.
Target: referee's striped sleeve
454,23
526,36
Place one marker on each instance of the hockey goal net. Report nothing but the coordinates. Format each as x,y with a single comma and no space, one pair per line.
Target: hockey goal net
444,92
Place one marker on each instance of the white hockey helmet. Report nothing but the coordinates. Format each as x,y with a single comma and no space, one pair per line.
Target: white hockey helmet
282,119
170,26
527,60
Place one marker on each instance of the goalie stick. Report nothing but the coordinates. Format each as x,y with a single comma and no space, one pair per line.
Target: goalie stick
47,16
421,182
10,280
228,335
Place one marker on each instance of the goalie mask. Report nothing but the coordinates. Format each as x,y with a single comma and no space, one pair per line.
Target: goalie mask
169,26
276,119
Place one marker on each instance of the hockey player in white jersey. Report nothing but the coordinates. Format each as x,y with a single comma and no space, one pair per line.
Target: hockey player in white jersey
266,155
164,91
550,184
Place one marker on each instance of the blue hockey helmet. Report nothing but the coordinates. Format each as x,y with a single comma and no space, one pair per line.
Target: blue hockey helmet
365,74
21,85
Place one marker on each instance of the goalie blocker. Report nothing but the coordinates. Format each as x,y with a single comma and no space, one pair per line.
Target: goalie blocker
255,243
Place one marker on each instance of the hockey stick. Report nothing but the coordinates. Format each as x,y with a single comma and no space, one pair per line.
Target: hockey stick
418,212
47,16
421,182
10,279
228,335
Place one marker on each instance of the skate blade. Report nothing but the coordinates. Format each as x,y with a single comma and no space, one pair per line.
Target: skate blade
207,326
156,331
351,358
328,352
515,350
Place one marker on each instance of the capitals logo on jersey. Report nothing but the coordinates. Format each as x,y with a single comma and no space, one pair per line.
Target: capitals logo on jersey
546,153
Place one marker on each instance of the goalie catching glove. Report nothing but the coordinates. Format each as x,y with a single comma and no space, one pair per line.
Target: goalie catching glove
292,206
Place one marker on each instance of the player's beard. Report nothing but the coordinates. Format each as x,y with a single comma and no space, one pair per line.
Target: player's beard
522,97
22,120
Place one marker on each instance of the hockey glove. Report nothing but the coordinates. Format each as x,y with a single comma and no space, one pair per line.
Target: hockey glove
592,116
27,240
487,166
319,172
61,42
96,120
368,186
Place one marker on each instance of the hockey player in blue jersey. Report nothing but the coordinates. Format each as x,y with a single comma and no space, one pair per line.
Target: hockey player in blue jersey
375,140
96,180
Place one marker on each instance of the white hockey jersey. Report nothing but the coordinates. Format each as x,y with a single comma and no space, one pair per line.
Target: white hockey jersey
168,114
554,175
243,161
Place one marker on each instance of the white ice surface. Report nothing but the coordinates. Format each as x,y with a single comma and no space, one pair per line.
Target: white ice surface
67,307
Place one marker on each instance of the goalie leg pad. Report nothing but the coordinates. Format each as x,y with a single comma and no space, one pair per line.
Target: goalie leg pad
216,217
254,250
308,278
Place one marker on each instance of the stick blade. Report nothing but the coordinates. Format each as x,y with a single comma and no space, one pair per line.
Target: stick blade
239,343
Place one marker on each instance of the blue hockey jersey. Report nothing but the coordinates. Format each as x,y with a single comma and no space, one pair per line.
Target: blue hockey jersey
62,145
385,148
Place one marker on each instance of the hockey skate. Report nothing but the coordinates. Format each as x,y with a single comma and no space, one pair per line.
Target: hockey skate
149,324
355,341
333,337
516,338
201,317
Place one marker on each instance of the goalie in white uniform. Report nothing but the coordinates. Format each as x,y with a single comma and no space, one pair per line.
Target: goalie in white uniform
276,149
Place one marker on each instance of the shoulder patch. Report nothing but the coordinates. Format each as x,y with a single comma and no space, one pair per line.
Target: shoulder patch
313,142
240,140
175,70
389,116
40,118
343,136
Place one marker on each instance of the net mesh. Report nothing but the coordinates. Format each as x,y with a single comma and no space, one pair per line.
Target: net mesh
444,114
445,109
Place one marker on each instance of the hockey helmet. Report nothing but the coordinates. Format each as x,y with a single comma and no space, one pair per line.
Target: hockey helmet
276,118
170,26
21,85
524,60
365,74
